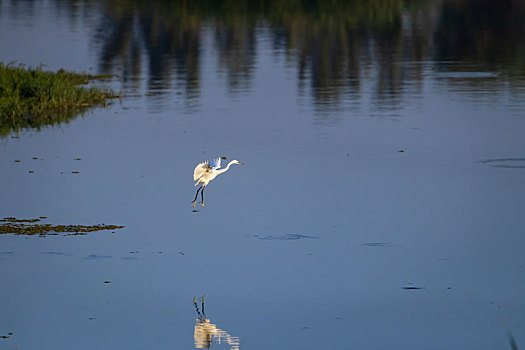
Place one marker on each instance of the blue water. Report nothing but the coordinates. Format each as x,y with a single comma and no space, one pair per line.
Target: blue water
380,212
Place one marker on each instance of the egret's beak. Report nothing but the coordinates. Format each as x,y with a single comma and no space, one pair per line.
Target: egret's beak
241,163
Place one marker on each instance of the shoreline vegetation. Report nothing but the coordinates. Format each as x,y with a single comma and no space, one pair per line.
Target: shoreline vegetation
34,98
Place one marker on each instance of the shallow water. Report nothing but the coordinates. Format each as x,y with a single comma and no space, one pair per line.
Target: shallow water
380,205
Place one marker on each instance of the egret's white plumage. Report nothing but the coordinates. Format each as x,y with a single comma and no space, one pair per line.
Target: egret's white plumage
206,171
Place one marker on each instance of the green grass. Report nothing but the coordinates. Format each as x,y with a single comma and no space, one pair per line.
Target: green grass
33,98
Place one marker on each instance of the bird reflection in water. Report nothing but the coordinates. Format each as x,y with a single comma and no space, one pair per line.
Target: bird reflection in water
207,171
205,332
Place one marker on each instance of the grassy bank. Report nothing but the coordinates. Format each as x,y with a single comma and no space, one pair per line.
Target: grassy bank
32,98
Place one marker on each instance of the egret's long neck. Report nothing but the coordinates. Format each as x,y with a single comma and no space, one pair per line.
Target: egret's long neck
225,169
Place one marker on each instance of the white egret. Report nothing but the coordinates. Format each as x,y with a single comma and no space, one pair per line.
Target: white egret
207,171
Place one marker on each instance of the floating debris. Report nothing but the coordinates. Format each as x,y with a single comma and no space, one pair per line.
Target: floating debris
29,227
107,282
401,151
30,171
74,172
412,288
17,160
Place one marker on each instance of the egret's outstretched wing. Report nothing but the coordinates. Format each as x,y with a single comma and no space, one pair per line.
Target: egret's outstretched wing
201,169
216,163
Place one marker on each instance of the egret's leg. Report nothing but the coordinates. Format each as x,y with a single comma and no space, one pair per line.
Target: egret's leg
197,307
196,194
202,195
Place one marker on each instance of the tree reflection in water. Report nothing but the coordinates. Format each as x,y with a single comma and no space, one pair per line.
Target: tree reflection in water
340,49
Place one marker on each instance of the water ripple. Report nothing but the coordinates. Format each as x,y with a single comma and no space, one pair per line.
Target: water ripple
511,163
285,237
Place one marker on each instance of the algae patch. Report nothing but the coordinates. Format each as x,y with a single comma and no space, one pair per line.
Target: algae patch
30,227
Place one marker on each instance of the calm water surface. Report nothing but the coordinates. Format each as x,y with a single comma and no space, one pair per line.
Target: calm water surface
380,207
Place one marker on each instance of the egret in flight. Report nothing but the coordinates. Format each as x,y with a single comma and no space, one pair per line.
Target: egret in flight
207,171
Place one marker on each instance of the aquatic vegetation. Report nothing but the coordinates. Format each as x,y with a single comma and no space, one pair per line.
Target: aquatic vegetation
31,227
33,98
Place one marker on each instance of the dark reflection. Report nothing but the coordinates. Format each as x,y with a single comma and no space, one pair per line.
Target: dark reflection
488,33
9,126
487,37
206,332
163,32
335,45
341,50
